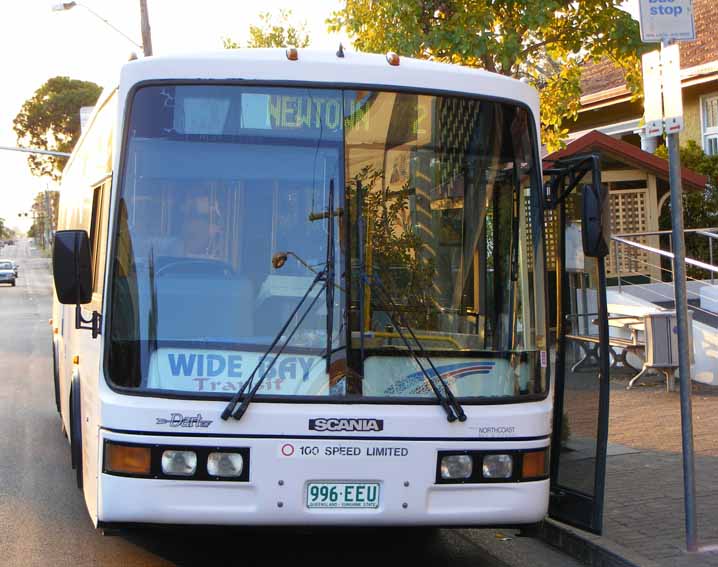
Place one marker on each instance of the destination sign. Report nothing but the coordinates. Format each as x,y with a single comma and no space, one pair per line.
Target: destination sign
288,111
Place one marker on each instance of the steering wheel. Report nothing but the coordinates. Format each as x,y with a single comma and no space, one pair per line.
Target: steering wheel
195,266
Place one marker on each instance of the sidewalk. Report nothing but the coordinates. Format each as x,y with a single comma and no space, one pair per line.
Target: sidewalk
644,510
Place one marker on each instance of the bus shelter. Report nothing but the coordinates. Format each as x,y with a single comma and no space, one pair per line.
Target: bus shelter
638,190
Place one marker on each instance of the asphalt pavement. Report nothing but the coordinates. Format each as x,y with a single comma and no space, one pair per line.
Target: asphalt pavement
43,520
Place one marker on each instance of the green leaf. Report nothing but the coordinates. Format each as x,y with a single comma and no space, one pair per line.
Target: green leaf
50,120
273,31
544,41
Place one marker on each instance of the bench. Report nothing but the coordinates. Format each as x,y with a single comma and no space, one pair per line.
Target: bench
590,343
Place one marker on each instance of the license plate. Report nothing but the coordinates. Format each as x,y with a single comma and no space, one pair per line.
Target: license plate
343,495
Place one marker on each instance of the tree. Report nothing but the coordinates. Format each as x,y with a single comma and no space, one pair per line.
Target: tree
544,42
50,120
273,32
4,231
396,248
44,221
700,208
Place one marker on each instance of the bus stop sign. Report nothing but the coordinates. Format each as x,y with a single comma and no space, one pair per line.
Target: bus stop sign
663,20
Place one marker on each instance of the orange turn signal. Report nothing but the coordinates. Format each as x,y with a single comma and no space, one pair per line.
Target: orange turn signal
535,464
127,459
292,53
76,359
392,58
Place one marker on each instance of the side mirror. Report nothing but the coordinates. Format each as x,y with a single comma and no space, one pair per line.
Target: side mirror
595,222
71,267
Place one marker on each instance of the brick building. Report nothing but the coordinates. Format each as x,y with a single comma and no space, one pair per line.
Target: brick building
606,101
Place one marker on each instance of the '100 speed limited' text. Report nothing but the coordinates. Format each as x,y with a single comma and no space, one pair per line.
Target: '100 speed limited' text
349,451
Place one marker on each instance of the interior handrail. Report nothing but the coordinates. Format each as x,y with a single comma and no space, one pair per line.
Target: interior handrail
436,338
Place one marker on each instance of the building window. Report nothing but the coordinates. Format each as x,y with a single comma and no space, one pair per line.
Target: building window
709,111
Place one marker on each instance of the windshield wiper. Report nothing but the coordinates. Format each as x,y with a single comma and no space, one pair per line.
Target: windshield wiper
326,276
329,275
451,405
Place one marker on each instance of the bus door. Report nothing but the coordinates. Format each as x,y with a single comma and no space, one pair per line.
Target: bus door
577,206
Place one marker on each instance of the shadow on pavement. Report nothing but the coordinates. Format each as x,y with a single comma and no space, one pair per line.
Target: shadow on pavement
273,546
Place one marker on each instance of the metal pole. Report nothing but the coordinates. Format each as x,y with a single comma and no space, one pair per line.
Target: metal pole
684,361
145,27
48,217
618,264
670,249
119,31
35,151
710,255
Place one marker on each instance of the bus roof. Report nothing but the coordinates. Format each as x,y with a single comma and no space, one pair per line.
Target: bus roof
314,66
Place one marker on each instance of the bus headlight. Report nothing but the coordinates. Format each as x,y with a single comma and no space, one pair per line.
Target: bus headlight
456,467
478,466
179,463
497,466
225,464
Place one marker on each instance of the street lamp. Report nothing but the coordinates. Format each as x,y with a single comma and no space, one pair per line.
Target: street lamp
64,6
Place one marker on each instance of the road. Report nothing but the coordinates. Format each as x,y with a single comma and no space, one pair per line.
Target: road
43,520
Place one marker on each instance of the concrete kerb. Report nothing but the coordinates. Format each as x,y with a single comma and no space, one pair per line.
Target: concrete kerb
589,548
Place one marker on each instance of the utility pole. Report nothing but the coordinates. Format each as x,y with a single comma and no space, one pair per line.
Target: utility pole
48,219
34,224
145,25
49,215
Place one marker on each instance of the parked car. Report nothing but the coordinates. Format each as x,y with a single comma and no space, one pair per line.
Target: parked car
15,265
7,273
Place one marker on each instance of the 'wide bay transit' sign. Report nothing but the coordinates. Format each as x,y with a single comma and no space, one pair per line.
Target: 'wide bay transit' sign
666,19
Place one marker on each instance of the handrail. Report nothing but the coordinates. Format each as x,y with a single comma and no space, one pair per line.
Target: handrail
701,231
666,297
708,234
665,254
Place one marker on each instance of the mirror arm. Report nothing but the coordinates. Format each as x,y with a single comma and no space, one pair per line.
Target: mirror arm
95,321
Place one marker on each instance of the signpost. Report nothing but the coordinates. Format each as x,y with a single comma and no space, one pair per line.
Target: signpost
652,100
663,20
671,84
667,21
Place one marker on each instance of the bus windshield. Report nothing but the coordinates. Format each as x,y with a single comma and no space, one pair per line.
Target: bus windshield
222,222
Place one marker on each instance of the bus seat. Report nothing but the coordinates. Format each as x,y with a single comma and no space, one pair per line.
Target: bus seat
204,308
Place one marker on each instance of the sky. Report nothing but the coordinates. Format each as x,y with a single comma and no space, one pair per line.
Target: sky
38,43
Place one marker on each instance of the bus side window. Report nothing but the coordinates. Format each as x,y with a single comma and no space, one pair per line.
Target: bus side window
98,225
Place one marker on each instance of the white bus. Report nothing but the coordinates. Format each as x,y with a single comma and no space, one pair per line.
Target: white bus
307,288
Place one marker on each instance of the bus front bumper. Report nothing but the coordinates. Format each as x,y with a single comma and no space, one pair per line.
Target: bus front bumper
281,471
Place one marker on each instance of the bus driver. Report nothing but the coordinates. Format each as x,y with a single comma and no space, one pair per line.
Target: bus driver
202,231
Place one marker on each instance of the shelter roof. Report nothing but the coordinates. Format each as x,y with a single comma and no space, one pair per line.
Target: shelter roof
619,151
